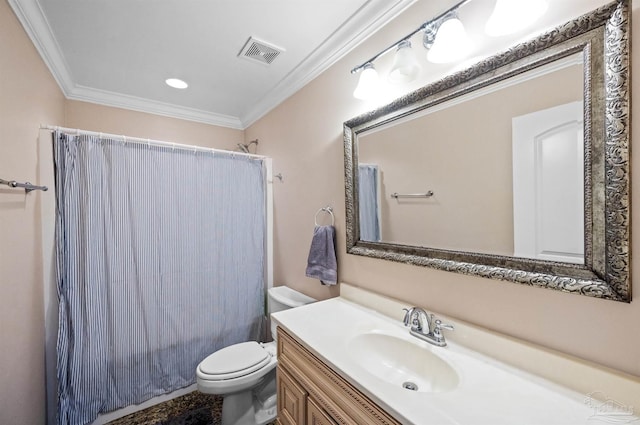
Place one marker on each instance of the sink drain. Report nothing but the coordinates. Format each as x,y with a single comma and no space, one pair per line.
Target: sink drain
410,386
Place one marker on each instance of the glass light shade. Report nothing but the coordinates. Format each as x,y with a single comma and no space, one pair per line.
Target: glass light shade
367,84
510,16
451,43
405,66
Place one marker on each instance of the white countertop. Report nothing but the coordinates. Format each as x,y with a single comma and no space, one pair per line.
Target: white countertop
488,392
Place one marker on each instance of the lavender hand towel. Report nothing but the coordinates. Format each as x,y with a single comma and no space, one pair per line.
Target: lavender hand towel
322,263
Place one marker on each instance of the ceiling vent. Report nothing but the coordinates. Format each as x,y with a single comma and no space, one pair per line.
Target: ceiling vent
259,51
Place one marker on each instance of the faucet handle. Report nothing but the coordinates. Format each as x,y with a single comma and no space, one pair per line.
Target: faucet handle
438,326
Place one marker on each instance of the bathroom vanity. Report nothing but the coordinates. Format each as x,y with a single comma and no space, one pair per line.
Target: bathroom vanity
350,360
310,392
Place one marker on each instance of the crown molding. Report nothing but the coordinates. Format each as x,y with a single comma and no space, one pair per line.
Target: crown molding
369,19
35,24
134,103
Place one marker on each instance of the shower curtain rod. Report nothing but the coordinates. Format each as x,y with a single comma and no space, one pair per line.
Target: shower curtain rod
150,142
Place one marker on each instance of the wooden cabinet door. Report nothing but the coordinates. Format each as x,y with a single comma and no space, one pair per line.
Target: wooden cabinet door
317,416
292,400
345,404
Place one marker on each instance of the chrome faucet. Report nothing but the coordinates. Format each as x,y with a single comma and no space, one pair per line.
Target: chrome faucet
413,317
432,332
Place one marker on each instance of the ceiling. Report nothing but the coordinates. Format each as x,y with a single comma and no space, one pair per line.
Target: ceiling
120,52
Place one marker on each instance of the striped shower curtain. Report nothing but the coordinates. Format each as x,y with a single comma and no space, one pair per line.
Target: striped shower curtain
160,262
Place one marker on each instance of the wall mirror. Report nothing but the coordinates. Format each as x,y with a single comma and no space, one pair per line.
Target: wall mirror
516,168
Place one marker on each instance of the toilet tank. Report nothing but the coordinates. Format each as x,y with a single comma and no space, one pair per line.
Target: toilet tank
283,298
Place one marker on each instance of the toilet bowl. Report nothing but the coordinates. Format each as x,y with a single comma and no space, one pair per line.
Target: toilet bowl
245,373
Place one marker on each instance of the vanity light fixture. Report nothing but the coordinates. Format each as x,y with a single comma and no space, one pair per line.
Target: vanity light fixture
402,71
176,83
446,40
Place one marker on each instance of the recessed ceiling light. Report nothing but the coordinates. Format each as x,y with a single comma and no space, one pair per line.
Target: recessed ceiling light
176,83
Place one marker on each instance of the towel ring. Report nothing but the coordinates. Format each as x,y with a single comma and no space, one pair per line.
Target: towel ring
327,210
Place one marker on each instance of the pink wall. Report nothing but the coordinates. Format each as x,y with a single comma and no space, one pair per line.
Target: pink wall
89,116
304,136
28,96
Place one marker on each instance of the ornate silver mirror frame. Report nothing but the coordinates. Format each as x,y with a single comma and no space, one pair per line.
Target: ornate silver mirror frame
603,38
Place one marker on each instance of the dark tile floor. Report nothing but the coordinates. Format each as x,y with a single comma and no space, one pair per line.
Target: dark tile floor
173,411
176,407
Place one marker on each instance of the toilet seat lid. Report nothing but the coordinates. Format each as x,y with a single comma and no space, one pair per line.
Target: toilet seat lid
235,360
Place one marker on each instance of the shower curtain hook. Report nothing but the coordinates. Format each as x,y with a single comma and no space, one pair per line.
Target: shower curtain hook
149,143
124,139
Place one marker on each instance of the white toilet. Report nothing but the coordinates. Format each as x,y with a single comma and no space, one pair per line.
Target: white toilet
245,373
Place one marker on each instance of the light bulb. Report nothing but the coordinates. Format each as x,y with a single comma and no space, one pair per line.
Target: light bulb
511,16
451,43
367,84
405,66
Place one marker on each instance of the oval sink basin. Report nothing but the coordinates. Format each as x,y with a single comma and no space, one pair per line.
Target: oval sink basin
402,363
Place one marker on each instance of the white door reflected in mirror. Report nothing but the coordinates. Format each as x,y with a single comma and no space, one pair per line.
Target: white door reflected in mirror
548,175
